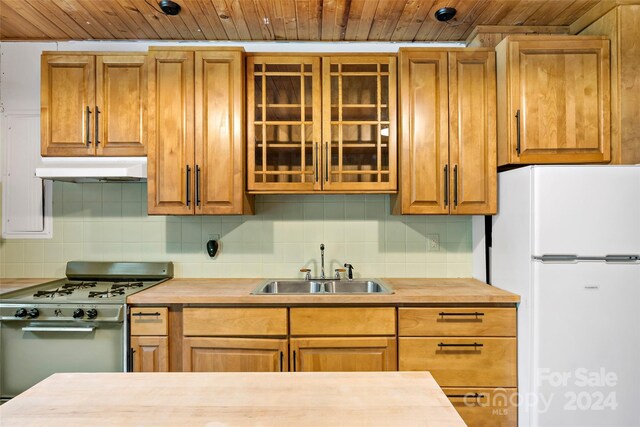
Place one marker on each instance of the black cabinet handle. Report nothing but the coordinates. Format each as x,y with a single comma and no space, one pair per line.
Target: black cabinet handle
130,360
446,185
455,186
317,155
140,314
466,396
474,345
188,185
88,125
197,185
476,314
294,361
281,360
518,132
326,162
96,135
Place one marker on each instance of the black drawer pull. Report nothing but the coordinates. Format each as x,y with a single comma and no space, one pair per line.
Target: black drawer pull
140,314
476,314
474,345
466,396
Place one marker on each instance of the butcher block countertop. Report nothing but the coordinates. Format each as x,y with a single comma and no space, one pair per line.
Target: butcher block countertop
406,291
9,285
233,399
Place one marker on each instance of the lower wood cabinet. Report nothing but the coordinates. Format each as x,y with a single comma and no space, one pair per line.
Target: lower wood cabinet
496,407
149,344
234,355
477,361
150,354
471,353
343,354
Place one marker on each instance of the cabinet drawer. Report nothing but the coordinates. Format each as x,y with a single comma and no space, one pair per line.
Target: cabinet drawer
462,362
480,407
235,322
343,321
149,321
457,322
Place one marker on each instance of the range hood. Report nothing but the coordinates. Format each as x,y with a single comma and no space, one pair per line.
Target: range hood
93,169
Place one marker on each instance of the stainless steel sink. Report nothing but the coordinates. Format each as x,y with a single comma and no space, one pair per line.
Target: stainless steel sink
337,287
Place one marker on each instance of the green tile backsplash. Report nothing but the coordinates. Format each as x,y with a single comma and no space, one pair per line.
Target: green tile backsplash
109,222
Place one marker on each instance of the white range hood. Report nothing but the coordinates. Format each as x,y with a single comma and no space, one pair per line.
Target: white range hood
93,169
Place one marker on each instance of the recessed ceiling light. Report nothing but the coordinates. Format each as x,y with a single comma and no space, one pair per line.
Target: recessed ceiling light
445,14
169,7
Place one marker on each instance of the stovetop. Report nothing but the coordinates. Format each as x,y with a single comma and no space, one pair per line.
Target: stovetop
83,291
95,291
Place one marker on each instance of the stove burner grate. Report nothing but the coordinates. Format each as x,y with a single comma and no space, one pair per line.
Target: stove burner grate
106,294
53,293
81,285
128,285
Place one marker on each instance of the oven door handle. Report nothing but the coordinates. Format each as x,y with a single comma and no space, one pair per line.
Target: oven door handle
58,329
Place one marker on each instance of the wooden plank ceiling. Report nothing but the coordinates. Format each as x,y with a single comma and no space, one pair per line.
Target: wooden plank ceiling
327,20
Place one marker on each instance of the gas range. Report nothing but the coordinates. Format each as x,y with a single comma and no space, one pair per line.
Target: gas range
75,324
91,291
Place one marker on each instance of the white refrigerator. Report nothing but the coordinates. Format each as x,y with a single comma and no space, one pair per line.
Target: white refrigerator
567,240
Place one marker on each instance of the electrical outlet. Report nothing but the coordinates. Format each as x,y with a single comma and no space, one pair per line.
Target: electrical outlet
433,242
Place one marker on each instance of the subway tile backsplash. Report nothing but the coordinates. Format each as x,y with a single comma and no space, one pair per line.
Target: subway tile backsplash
108,222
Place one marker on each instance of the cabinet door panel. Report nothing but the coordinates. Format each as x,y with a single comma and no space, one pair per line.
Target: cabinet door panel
457,321
424,135
171,151
478,407
359,123
560,90
150,354
67,90
283,124
219,132
460,362
234,355
343,354
121,97
472,138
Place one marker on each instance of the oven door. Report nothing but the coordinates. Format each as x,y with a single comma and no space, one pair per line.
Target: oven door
31,351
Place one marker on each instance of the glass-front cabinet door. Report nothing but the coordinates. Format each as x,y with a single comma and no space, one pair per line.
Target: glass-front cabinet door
321,129
284,123
359,123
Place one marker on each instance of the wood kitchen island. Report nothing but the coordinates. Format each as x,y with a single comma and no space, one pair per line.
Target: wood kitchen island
234,399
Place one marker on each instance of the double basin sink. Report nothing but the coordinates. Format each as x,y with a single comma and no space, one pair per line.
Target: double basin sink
314,287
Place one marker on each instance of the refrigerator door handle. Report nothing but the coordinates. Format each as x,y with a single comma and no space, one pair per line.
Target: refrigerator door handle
621,258
575,258
557,258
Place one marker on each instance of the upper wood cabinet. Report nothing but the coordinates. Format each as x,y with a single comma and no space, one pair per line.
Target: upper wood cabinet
196,150
321,124
93,104
553,100
448,132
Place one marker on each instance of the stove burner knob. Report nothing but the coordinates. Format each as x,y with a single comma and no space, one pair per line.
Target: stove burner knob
78,313
21,313
92,313
33,313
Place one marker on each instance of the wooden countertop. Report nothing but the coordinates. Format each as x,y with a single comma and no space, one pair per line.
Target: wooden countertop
406,291
233,399
8,285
